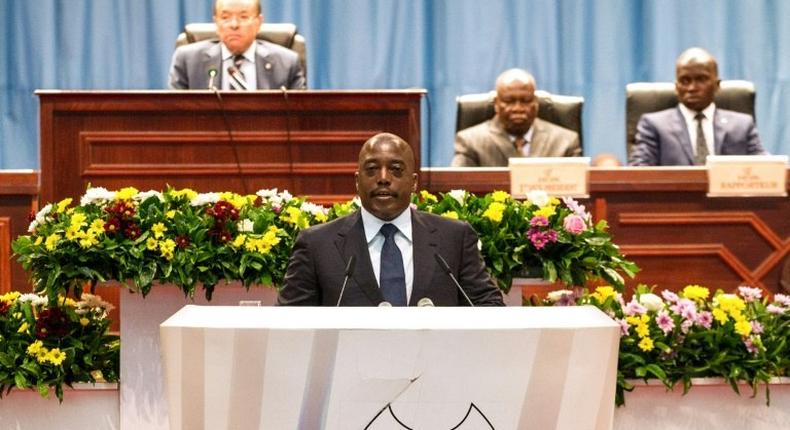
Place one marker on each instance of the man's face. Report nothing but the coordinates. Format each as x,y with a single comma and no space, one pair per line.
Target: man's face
386,178
696,84
237,23
516,106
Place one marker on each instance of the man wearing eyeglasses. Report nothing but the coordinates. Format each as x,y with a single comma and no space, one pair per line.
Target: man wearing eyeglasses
237,61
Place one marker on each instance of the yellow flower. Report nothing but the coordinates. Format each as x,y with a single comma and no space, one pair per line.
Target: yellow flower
321,217
737,316
151,244
553,201
126,193
546,211
500,196
68,301
450,214
428,197
35,347
170,214
42,356
603,293
97,224
56,357
51,241
695,292
166,248
720,316
78,220
159,230
270,237
10,297
23,328
743,328
646,344
632,320
294,217
494,211
642,330
186,192
84,321
62,205
236,200
238,241
38,241
729,303
73,232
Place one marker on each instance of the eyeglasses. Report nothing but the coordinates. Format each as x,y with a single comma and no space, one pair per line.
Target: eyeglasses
226,20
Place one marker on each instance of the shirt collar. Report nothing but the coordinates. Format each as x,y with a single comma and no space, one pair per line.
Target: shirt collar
527,135
373,224
249,54
689,114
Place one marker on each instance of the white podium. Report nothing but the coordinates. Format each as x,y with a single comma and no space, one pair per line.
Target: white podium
389,368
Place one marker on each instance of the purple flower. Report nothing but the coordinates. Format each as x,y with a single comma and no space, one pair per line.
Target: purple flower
669,296
539,221
634,308
624,326
705,319
757,328
750,294
685,326
578,209
685,308
539,238
574,224
749,343
566,300
665,322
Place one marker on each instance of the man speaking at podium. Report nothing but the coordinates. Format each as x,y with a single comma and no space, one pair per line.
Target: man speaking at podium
387,253
237,61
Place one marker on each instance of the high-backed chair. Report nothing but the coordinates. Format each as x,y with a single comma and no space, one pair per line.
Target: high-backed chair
565,111
646,97
284,34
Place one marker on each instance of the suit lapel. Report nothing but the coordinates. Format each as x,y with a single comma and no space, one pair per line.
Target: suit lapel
425,243
537,145
719,131
502,140
212,59
681,132
350,241
263,68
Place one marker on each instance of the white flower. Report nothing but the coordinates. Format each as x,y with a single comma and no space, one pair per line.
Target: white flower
245,225
313,208
143,196
286,196
96,195
458,195
479,245
651,301
555,296
92,301
204,199
266,194
34,299
538,197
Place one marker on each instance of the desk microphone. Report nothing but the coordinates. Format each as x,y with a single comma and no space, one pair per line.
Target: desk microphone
385,304
349,272
425,302
443,264
212,73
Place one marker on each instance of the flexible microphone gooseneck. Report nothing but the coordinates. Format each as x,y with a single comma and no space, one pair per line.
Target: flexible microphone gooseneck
443,264
212,73
349,272
288,142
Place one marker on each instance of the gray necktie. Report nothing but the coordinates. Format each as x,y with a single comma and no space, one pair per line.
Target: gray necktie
237,79
702,146
392,278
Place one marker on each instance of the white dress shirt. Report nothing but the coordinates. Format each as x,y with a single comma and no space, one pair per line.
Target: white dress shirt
247,67
403,239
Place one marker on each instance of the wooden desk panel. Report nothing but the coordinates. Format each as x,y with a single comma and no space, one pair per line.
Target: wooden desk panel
18,199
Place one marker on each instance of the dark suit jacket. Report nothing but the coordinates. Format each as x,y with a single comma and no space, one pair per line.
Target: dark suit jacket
275,66
488,145
316,269
662,138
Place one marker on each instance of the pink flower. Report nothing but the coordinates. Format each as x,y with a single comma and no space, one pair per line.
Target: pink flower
750,294
539,238
705,319
578,209
757,328
685,308
775,310
634,308
574,224
665,322
750,346
624,326
685,326
669,296
782,299
539,221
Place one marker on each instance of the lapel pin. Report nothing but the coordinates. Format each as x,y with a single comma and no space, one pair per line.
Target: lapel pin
267,66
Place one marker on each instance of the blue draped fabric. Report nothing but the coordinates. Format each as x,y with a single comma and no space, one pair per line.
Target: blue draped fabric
450,47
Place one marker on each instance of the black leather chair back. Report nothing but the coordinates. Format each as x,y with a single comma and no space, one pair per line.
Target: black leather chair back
565,111
646,97
284,34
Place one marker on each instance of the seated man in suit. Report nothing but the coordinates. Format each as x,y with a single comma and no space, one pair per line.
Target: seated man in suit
515,130
686,134
238,60
394,247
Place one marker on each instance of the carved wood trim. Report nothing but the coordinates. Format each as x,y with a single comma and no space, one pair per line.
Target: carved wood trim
5,254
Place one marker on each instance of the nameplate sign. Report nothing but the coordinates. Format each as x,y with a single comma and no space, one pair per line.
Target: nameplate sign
747,175
558,176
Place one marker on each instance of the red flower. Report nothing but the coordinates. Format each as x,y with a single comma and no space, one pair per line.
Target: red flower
113,225
52,322
4,307
132,231
182,241
222,211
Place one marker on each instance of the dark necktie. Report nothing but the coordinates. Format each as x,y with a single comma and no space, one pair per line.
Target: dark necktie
702,146
520,142
237,79
392,278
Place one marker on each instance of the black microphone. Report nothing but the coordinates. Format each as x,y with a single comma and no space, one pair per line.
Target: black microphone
212,73
425,302
349,272
443,264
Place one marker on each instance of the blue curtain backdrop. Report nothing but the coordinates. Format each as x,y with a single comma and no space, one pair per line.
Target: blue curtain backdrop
450,47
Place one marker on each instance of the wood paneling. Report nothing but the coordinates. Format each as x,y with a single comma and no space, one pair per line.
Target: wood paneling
663,220
18,199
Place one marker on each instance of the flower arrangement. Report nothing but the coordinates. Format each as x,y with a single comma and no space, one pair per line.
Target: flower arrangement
675,337
189,239
555,236
45,346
